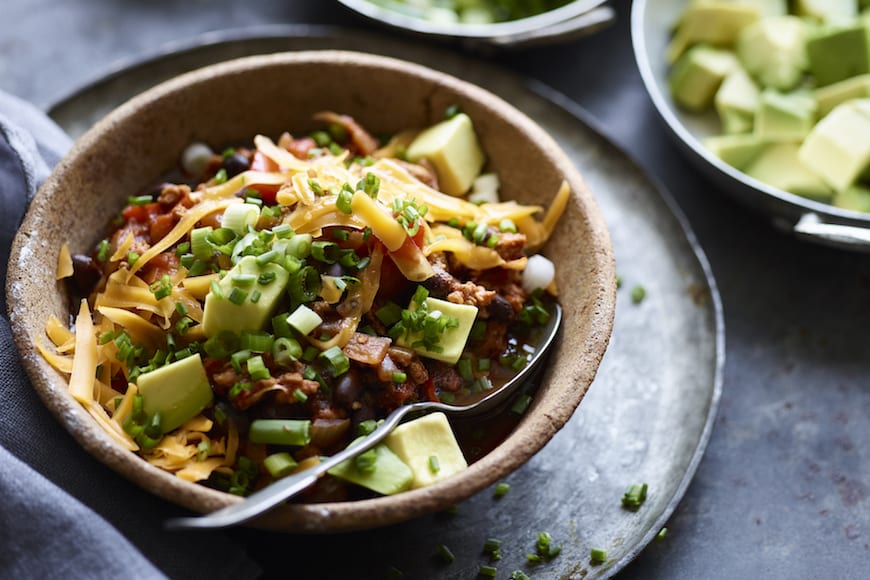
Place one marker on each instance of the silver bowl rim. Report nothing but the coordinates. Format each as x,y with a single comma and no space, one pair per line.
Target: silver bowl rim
484,32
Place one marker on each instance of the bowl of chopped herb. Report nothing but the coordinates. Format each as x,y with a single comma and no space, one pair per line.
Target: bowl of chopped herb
251,279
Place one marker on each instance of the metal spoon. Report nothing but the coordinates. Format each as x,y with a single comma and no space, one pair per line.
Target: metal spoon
267,498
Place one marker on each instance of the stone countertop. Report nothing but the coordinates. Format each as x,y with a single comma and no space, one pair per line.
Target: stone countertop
782,490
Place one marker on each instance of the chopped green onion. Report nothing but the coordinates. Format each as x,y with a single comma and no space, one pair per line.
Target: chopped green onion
338,361
444,553
452,111
132,258
487,570
228,152
389,314
266,257
280,464
501,490
521,404
106,337
370,184
434,465
342,202
103,250
324,251
519,575
366,427
255,296
338,132
238,358
299,395
597,556
221,345
618,281
237,296
491,545
266,278
638,293
257,368
294,432
221,176
400,377
203,449
464,369
304,285
507,226
140,200
286,350
634,497
661,535
483,364
256,341
181,308
283,231
366,462
239,216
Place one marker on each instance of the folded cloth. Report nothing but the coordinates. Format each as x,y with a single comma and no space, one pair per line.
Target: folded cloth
64,514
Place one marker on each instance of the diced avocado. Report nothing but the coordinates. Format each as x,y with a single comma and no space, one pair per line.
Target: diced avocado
427,445
698,74
839,52
735,150
716,22
778,165
388,474
773,51
856,198
452,148
178,391
766,8
827,10
784,117
223,313
453,340
838,147
832,95
737,101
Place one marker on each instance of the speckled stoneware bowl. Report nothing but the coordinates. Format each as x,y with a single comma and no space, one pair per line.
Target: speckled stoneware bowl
142,140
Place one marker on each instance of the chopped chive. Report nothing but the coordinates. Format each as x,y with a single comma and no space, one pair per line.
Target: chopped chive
491,545
181,308
521,404
139,200
216,289
300,396
399,377
221,176
434,465
634,497
255,296
597,556
638,293
519,575
487,570
257,368
266,278
501,490
464,369
661,535
343,201
103,250
282,231
238,358
237,296
132,258
507,226
444,553
337,360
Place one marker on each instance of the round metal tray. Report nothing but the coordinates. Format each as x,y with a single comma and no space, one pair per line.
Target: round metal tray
647,416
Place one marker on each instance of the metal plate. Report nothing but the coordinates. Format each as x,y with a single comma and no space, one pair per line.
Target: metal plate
648,415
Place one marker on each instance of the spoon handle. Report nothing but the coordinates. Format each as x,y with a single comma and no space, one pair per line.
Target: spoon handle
285,488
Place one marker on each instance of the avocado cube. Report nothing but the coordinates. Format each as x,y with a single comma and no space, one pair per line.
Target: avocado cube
178,391
737,101
737,151
855,198
838,147
839,52
228,311
778,165
832,95
784,117
773,51
716,22
698,74
427,445
452,148
453,340
827,10
388,474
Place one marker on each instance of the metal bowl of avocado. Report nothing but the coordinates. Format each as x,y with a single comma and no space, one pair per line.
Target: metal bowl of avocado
140,142
795,91
502,23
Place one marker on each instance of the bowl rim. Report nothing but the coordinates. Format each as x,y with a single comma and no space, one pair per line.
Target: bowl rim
495,31
678,129
333,516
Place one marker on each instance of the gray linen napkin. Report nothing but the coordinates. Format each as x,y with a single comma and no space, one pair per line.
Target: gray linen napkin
63,514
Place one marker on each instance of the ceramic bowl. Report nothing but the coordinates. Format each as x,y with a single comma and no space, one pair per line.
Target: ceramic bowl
651,24
230,102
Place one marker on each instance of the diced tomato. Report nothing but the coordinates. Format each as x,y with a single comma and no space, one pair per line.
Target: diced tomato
141,213
160,226
263,163
300,147
429,389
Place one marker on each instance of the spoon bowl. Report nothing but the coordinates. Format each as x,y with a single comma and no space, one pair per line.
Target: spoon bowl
285,488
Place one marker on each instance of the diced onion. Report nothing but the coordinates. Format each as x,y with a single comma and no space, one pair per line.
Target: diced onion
196,158
539,273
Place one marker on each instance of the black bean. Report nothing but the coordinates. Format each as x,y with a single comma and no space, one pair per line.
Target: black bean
348,389
235,164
